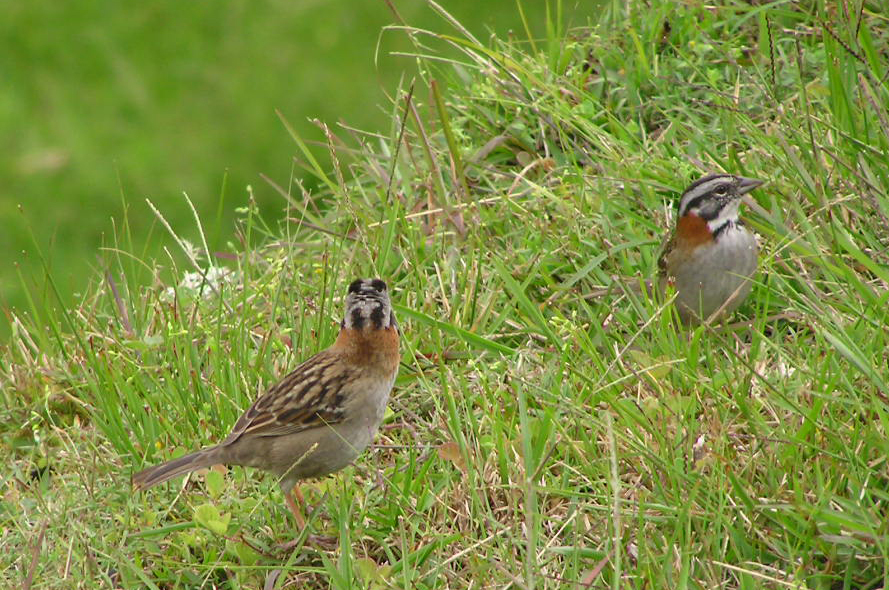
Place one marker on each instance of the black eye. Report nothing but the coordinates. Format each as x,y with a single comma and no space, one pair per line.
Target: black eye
721,190
378,285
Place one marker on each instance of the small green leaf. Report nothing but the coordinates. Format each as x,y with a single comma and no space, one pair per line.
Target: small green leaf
657,369
214,481
367,569
208,516
245,554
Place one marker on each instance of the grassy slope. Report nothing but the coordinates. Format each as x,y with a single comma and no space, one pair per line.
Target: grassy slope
539,437
106,104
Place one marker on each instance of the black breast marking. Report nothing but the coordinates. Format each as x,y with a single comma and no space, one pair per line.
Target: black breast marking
719,230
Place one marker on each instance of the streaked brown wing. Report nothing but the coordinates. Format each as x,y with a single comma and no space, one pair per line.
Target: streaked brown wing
307,397
666,249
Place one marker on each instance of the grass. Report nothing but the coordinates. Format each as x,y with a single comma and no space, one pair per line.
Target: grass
165,98
550,427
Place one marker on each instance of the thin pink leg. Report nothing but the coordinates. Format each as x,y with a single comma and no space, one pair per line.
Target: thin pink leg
296,510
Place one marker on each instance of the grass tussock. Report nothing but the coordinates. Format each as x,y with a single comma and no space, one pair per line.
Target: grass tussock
550,427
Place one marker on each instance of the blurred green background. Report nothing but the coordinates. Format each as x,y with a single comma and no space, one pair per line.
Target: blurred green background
104,104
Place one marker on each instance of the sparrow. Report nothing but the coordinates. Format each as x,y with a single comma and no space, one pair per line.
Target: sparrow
711,255
319,417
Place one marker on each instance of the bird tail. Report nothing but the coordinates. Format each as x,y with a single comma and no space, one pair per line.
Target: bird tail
167,471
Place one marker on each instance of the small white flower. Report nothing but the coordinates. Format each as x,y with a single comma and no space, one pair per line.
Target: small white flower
206,284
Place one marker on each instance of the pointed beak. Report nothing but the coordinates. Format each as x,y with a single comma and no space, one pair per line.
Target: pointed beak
745,185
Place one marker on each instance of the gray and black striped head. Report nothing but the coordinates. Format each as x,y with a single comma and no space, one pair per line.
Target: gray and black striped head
716,198
368,306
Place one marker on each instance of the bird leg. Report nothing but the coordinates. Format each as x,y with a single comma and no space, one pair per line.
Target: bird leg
296,510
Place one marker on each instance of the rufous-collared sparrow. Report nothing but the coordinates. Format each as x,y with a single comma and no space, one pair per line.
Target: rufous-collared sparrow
321,416
711,256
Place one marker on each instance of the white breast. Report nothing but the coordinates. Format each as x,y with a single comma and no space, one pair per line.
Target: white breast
716,273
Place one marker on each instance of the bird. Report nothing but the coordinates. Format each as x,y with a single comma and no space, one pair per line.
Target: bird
319,417
711,256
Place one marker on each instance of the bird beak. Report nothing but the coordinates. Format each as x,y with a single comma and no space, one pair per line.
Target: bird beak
745,185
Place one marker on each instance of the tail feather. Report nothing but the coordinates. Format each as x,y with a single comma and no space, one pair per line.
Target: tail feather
167,471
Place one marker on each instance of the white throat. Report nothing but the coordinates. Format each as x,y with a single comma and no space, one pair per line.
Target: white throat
727,215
